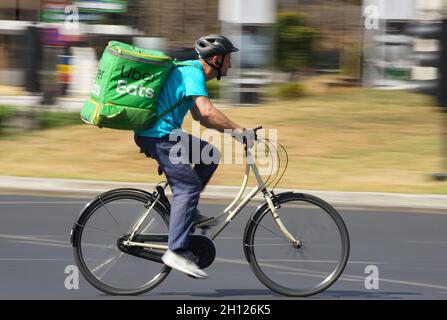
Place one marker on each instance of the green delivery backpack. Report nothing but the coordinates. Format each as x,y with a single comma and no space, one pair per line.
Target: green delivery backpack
127,86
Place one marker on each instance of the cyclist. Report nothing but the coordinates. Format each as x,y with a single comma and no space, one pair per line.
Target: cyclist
187,173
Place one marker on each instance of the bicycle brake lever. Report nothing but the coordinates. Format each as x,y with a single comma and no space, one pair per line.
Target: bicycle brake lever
256,129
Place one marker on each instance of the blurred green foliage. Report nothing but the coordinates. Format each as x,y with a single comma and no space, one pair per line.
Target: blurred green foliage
291,90
285,91
43,119
49,119
5,113
212,87
294,42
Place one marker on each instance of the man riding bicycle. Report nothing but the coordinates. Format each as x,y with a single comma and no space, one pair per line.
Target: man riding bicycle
189,176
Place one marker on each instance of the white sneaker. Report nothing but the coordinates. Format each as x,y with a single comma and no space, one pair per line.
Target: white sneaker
176,261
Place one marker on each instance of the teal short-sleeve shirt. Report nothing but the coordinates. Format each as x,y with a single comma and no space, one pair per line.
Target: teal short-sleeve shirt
183,82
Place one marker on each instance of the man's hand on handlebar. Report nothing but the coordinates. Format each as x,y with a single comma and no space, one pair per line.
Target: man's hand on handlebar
246,136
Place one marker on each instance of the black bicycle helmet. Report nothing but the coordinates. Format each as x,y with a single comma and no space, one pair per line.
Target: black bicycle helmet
214,44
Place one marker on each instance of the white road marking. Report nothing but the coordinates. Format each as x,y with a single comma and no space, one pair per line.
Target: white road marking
235,261
42,202
36,259
428,242
344,277
32,238
410,283
44,243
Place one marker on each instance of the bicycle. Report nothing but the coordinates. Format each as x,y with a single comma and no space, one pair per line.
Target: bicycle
296,244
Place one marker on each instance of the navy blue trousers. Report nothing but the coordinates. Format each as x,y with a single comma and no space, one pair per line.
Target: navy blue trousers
188,164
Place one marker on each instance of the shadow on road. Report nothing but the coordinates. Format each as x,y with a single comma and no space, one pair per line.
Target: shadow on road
364,294
221,293
329,294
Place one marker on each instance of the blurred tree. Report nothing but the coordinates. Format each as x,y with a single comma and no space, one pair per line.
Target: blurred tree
213,88
294,43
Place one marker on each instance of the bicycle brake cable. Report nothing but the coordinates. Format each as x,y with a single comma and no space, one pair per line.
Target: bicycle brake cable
286,165
278,159
271,157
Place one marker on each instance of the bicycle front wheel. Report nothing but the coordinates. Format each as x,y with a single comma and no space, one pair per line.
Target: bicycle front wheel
302,268
96,243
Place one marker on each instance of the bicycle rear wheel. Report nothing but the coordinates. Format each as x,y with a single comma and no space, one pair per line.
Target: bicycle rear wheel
295,270
98,232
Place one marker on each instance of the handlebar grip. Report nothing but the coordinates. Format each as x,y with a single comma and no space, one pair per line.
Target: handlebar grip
256,129
244,138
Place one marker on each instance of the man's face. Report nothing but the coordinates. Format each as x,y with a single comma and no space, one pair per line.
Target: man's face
226,63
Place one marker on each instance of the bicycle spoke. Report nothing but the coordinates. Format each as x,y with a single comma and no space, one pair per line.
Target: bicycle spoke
290,269
105,231
148,225
274,233
100,246
268,245
109,264
110,214
304,274
304,261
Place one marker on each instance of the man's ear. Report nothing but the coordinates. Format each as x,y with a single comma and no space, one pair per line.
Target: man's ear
217,60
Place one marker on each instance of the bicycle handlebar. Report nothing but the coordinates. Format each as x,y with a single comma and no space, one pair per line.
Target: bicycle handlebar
256,129
244,139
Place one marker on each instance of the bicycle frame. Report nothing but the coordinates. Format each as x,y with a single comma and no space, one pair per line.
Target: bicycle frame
232,210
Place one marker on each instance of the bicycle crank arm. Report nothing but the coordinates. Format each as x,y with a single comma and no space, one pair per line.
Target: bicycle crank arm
139,252
151,238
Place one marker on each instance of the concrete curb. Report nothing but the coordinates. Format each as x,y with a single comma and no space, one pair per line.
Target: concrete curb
90,188
69,104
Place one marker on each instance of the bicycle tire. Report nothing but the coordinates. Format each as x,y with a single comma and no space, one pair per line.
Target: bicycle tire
260,266
82,223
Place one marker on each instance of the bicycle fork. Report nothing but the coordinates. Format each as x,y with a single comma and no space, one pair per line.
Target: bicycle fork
269,199
295,242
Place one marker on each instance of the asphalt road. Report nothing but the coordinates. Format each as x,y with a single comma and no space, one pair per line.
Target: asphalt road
409,250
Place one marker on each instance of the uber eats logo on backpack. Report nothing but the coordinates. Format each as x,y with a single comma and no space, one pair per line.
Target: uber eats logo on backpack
133,74
96,88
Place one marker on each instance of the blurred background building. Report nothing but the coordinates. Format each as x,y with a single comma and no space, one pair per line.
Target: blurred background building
392,52
281,40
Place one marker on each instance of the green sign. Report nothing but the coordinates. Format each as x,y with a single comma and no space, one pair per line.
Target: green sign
113,6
